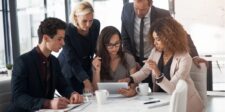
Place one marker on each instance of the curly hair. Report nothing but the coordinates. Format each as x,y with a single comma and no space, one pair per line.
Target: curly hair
104,39
50,26
171,33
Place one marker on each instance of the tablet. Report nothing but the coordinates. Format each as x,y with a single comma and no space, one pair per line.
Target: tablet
112,87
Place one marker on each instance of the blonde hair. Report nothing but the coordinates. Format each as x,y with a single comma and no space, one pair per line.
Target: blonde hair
83,8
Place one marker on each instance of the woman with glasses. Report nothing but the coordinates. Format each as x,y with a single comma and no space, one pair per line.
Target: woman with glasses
80,43
112,64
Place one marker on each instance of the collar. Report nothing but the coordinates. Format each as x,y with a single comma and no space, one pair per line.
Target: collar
41,55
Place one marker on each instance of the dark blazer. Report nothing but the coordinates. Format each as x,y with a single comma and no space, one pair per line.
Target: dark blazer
27,88
70,58
127,31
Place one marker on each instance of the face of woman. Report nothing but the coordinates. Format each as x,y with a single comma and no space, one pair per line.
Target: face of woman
85,21
158,42
113,45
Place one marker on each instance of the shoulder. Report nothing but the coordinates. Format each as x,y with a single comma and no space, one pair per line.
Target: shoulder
95,25
26,59
96,22
183,56
127,9
130,59
128,6
160,11
128,56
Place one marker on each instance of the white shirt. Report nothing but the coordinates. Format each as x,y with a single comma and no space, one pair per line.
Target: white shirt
137,23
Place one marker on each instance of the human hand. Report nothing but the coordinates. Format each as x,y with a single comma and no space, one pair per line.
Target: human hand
153,66
124,80
87,85
197,60
59,103
96,63
128,92
76,98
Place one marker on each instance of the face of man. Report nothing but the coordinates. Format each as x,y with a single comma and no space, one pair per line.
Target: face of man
56,43
141,7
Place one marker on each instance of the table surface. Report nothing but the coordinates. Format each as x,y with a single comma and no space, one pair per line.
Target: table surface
123,104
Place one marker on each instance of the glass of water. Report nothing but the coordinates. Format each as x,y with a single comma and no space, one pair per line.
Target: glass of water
88,95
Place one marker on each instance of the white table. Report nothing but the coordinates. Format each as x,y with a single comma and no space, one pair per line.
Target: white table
133,104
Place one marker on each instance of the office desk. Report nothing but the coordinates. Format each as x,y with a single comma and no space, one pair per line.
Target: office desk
133,104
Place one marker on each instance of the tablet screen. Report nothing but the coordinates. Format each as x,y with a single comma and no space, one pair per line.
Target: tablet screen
112,87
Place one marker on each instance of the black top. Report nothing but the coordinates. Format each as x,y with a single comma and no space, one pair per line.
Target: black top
28,89
76,56
165,69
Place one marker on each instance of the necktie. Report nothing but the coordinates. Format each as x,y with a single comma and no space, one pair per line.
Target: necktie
141,40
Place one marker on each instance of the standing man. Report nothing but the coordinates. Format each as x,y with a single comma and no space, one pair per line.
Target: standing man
37,74
137,18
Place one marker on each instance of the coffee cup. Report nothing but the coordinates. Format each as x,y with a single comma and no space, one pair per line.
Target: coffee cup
143,89
101,96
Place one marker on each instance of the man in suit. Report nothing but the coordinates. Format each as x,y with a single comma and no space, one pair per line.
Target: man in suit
132,16
37,73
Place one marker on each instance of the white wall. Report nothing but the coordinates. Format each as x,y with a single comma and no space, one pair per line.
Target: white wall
205,21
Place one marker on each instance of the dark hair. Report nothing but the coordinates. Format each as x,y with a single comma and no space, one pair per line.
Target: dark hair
171,33
103,39
50,26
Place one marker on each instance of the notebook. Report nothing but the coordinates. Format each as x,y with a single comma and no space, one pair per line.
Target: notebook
112,87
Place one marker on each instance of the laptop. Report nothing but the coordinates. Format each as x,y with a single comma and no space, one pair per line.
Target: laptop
112,87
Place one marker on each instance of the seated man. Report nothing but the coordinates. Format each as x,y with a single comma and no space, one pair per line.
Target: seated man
37,74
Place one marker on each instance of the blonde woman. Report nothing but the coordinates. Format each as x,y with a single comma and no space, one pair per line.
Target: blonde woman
80,42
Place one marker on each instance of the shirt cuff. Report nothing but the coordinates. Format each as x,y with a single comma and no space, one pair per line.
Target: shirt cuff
46,104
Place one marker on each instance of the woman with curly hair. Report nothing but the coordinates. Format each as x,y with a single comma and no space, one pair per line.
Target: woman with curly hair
169,61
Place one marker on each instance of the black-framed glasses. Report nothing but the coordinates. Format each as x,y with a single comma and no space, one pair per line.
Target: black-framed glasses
110,46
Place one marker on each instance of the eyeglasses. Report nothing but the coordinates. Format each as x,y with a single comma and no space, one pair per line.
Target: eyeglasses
110,46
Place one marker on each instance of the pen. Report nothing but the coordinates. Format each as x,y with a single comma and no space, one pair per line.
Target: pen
150,102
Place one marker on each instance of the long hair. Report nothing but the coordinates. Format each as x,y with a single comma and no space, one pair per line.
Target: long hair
104,39
171,33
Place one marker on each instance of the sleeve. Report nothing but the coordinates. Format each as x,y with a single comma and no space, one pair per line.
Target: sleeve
125,37
193,50
72,58
184,67
145,71
61,84
20,91
74,63
130,61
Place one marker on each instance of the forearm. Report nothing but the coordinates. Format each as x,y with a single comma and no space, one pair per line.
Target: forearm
95,79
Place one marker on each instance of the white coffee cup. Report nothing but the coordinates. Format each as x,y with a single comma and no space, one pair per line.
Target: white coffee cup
101,96
143,89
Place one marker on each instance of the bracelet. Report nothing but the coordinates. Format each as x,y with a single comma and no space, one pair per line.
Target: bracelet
159,79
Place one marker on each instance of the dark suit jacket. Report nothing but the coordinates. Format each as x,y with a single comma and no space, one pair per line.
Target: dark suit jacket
28,89
127,31
70,58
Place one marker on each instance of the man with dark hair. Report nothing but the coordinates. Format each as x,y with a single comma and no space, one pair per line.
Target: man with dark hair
37,74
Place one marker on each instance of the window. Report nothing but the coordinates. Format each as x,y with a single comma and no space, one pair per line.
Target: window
30,14
2,45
